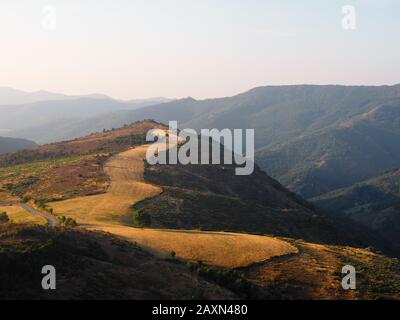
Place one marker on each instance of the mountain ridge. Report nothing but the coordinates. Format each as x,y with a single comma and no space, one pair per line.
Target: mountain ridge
332,123
14,144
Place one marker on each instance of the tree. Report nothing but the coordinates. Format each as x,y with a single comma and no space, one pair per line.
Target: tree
140,218
173,254
67,222
70,223
26,199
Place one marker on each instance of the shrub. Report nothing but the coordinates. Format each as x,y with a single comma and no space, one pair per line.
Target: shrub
67,222
4,217
231,279
140,218
26,199
70,223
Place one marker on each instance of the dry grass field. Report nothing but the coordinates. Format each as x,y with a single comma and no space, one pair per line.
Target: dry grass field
20,215
222,249
5,196
127,187
315,273
110,212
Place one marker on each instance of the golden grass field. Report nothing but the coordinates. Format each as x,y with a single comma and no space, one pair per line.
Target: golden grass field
127,187
20,215
110,212
222,249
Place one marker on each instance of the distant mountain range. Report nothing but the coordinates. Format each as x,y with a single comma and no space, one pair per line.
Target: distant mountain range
44,113
20,110
14,144
313,139
10,96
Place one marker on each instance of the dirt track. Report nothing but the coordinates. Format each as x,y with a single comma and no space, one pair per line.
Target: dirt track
113,208
110,212
23,213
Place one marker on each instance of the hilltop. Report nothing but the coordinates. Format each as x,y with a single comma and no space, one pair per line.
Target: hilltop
68,169
111,140
313,139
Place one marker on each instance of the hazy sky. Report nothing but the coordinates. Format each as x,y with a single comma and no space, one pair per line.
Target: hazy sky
199,48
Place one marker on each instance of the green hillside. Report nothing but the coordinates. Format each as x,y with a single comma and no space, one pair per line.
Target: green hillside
339,156
375,203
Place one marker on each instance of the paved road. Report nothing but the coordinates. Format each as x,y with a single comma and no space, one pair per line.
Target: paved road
51,220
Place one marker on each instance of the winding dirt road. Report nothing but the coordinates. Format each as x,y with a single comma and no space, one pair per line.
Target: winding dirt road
51,220
111,212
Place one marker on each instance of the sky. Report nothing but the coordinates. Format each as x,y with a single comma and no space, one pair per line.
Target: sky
200,48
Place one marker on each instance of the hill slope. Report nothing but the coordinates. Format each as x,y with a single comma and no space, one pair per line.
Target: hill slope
112,212
13,144
212,197
91,266
184,198
315,273
374,203
313,139
339,156
193,197
104,141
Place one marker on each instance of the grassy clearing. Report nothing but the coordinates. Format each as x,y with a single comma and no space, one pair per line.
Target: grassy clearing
20,215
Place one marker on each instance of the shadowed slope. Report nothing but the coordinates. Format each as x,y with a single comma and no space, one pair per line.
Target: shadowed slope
111,212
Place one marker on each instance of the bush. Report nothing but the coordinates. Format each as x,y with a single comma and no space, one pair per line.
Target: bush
231,279
26,199
140,218
67,222
40,203
4,217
